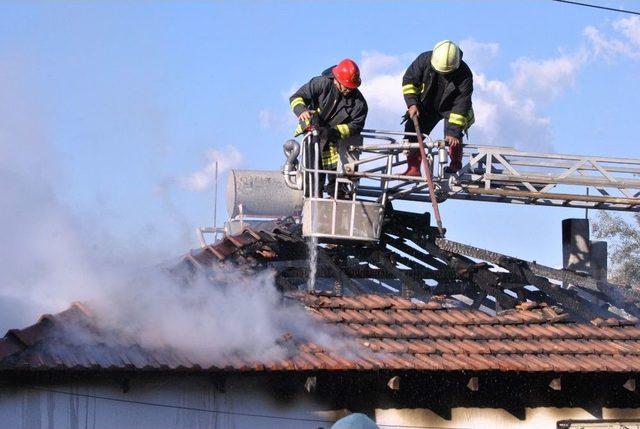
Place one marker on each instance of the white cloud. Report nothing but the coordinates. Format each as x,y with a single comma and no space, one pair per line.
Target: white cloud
202,179
511,112
605,46
505,117
381,88
630,28
625,43
546,78
375,63
477,53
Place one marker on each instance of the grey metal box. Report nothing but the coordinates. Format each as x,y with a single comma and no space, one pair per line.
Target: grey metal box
345,219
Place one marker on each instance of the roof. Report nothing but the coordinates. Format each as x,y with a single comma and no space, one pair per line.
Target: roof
381,331
392,333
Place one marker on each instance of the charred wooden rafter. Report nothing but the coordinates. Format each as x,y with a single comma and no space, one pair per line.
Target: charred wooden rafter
411,251
413,259
410,286
539,275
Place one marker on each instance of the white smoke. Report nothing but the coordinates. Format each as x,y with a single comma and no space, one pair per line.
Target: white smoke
51,256
41,240
223,314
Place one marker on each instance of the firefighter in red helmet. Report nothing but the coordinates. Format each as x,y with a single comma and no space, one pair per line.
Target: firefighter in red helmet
339,110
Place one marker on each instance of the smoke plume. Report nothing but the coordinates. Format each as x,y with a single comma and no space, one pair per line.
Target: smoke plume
51,256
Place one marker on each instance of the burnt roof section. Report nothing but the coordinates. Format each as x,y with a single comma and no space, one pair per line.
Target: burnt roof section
412,261
411,302
388,333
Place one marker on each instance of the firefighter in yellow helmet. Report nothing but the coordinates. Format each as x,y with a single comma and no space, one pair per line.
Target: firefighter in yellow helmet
438,85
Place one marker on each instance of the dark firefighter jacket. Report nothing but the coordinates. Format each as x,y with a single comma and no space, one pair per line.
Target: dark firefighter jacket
452,100
345,115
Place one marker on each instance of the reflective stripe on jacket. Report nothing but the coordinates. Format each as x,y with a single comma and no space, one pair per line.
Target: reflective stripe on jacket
330,156
454,105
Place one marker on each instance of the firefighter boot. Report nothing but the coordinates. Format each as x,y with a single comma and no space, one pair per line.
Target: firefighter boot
343,189
455,153
413,164
330,187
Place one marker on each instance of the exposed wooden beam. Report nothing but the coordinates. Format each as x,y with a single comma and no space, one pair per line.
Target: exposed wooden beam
394,383
630,384
410,287
310,384
473,384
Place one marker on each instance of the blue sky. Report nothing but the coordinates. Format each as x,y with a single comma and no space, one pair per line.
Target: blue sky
130,99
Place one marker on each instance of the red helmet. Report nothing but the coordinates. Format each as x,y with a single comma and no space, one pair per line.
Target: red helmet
347,73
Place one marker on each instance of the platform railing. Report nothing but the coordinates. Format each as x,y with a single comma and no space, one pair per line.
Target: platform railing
564,180
489,173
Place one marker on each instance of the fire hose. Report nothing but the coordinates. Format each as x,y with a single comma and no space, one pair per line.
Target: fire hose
426,165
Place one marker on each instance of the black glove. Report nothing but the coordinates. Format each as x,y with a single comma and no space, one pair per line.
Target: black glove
328,134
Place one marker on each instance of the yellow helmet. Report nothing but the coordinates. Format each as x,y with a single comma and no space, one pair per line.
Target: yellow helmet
445,57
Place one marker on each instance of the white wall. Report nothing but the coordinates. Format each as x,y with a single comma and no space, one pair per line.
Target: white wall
488,418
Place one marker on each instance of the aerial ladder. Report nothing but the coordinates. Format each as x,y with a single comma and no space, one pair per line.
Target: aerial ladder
489,173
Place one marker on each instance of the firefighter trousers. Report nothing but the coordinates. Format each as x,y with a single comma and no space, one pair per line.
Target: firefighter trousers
428,120
327,182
